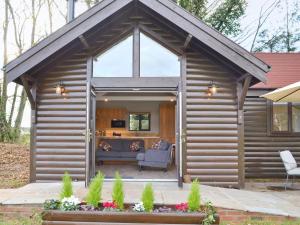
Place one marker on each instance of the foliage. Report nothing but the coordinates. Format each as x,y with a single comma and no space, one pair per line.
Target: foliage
118,192
196,7
194,197
67,189
224,17
70,204
95,189
51,204
210,212
35,219
138,207
148,198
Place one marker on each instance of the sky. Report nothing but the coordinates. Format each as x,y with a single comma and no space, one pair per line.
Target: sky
248,25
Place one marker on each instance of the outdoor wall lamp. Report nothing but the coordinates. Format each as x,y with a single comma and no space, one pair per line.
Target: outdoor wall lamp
212,89
60,89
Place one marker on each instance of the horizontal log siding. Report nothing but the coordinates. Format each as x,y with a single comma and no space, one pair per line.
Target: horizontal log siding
261,151
211,123
61,121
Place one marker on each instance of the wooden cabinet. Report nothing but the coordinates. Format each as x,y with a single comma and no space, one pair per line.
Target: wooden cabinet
167,121
104,116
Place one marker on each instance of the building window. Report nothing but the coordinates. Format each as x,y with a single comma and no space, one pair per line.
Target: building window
285,118
137,55
116,61
139,121
156,60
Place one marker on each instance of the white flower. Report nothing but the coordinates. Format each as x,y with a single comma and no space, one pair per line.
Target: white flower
139,207
71,200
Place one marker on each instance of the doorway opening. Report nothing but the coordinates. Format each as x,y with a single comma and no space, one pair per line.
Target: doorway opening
135,134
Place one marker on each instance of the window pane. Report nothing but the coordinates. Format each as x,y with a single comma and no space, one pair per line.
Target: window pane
139,121
116,61
156,60
296,117
133,122
280,117
145,122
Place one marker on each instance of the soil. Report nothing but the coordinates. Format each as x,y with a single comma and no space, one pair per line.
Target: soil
14,165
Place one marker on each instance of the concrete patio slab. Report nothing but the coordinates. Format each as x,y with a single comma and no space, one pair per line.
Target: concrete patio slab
276,203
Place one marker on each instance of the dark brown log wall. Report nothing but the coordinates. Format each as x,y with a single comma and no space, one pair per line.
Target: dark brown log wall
61,121
211,122
262,151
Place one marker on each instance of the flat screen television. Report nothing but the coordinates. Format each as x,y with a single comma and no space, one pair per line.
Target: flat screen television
118,124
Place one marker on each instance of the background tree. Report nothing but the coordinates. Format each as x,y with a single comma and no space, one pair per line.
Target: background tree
224,17
286,37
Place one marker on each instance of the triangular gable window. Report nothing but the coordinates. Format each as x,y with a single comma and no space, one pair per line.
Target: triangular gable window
156,60
116,61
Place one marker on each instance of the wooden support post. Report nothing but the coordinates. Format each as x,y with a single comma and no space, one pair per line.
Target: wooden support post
241,96
187,41
136,52
28,92
244,92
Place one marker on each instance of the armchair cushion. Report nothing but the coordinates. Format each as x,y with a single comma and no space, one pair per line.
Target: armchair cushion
140,157
156,156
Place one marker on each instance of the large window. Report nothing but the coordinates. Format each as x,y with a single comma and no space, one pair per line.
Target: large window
116,61
151,59
285,118
139,121
156,60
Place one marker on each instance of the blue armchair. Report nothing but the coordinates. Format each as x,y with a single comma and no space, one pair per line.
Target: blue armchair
159,158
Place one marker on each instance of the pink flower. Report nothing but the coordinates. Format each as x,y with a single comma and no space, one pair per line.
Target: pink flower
182,207
109,205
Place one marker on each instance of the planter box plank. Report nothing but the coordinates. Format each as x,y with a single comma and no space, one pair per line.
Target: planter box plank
98,223
120,218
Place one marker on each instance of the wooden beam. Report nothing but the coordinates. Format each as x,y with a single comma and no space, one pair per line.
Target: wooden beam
28,92
187,41
244,92
136,51
84,42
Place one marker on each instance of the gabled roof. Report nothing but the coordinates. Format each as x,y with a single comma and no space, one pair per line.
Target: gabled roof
285,69
166,8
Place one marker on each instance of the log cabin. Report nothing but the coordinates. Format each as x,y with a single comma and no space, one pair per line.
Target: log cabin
128,79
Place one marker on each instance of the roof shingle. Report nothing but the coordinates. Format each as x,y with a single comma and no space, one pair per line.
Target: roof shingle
285,69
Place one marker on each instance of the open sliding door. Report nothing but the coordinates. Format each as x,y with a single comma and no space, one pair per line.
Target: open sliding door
90,133
179,139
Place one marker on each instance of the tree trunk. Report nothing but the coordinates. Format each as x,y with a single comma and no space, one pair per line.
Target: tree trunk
13,104
20,113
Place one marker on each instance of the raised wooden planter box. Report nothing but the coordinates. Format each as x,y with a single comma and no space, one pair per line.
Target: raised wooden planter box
120,218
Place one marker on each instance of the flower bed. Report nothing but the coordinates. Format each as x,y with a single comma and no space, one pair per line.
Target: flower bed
125,217
70,210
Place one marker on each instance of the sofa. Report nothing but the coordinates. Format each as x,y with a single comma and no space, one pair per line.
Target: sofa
159,157
119,150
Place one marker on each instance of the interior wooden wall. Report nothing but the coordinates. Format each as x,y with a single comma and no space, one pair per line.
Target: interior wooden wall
167,121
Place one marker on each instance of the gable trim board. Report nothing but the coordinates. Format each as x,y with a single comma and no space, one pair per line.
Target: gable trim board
167,9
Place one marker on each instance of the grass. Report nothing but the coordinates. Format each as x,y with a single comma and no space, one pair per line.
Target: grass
263,222
35,219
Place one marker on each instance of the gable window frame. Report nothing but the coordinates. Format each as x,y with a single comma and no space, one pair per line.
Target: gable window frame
270,121
135,32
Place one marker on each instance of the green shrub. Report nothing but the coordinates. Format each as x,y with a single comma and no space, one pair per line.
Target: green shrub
95,189
67,189
148,198
194,197
51,204
118,192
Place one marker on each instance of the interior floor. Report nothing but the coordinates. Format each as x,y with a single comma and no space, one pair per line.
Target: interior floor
131,171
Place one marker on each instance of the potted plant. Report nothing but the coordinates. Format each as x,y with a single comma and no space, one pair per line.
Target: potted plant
69,210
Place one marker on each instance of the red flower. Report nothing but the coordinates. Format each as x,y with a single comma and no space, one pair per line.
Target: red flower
183,207
109,205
